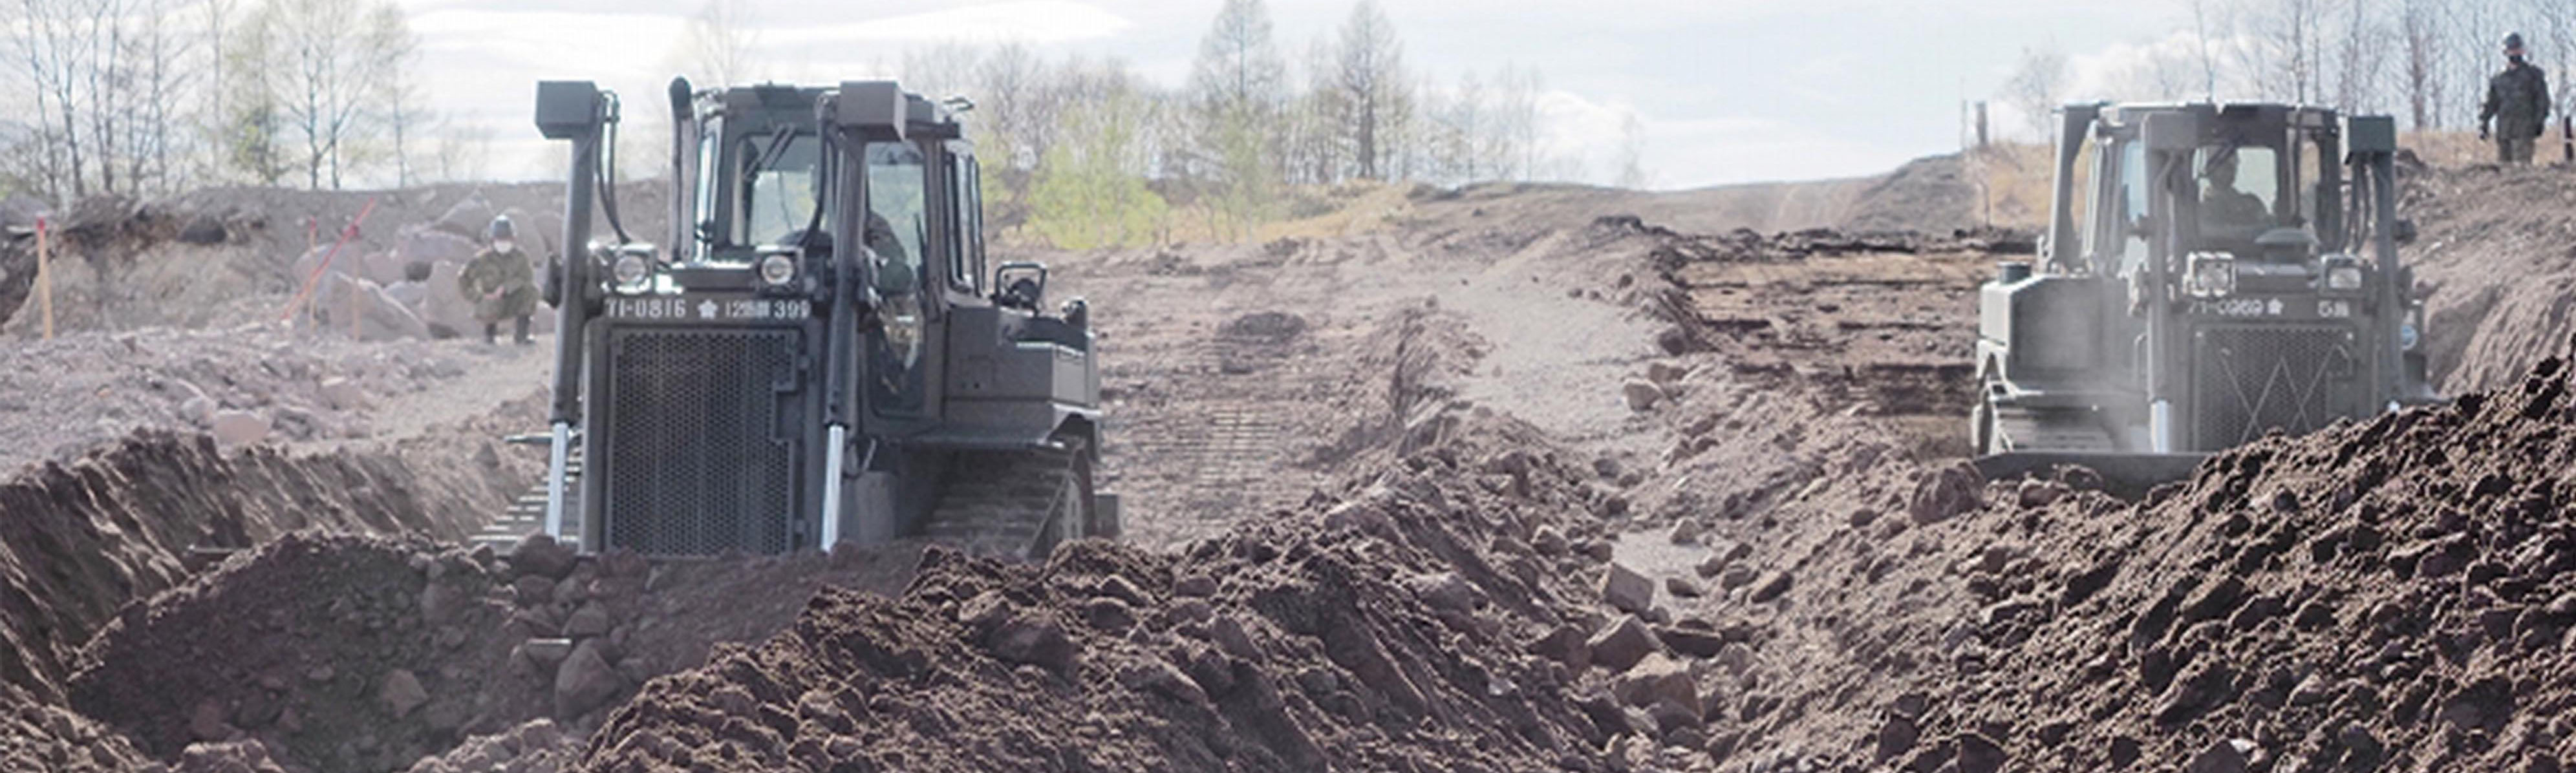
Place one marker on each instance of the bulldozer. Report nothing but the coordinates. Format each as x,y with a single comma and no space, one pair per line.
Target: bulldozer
818,354
2211,273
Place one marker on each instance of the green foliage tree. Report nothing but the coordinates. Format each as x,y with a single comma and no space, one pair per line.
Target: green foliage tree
1090,190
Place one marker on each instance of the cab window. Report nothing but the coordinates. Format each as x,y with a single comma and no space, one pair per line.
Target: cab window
2240,188
898,209
967,260
778,186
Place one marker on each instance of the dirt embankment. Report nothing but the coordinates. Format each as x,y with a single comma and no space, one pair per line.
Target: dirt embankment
2493,247
128,521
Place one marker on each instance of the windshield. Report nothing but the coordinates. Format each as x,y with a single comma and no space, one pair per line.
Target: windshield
2240,187
898,202
778,185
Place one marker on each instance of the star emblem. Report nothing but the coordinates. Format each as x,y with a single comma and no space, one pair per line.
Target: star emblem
707,310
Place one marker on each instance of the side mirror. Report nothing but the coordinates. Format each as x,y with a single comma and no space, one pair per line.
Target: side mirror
1022,285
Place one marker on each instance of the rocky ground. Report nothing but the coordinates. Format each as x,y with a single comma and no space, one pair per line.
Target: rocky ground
1502,478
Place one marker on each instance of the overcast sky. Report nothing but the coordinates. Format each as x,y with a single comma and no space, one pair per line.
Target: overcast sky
1729,91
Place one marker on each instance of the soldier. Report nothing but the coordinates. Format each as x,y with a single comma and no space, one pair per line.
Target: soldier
2222,206
500,283
2517,106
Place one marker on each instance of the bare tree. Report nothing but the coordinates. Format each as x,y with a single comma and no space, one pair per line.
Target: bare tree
1368,73
721,40
2037,85
399,97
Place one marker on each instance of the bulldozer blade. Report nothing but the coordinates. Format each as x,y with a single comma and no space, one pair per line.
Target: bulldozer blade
2124,475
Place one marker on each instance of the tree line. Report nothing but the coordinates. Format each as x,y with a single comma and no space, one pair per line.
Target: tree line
2424,61
147,97
1085,152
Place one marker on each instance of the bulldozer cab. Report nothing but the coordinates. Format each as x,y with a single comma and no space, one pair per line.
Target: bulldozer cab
2217,272
822,354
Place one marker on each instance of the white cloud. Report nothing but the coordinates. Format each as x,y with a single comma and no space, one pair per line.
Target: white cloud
1034,21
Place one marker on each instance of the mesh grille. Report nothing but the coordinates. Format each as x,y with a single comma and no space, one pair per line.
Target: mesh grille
2251,380
699,458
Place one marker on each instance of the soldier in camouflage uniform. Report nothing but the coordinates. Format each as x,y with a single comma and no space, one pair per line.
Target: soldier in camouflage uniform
2517,106
500,283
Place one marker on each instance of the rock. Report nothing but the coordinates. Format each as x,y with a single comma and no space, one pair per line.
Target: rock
1681,587
1712,565
533,589
1444,591
249,755
344,394
1687,531
2034,492
1771,588
1947,492
1196,585
588,621
1108,613
1119,587
2225,756
1642,395
1155,675
1032,641
1690,641
1601,549
1621,644
1564,645
401,693
1897,736
238,428
1978,755
547,653
585,681
206,722
539,554
1665,373
1548,541
1626,590
1658,680
1736,658
1737,576
1234,640
1863,517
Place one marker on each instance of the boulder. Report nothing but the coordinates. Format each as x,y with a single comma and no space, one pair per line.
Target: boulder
1642,395
1622,643
1681,587
588,621
1658,679
238,428
401,693
344,394
1444,591
585,681
1626,590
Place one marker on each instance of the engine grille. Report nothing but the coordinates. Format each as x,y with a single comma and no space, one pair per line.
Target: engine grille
699,457
2250,380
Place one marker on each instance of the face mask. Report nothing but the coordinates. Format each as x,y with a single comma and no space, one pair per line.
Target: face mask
505,245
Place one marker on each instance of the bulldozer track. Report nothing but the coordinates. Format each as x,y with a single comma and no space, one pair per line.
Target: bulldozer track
527,514
1003,503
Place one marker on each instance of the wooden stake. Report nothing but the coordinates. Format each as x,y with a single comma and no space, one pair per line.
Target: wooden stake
45,276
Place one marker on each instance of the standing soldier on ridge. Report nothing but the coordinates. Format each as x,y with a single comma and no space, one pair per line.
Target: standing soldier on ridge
2517,106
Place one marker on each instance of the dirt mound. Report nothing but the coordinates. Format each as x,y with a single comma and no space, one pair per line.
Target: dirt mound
122,523
2493,251
36,735
1392,629
2389,595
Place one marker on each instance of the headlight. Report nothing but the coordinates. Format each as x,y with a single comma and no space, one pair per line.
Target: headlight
2344,278
630,270
2212,275
777,270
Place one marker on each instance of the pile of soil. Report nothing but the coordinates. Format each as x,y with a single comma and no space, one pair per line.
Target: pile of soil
1439,616
83,539
2394,594
2492,250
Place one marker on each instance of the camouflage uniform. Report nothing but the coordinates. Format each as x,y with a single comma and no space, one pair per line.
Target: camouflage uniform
507,271
2518,107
